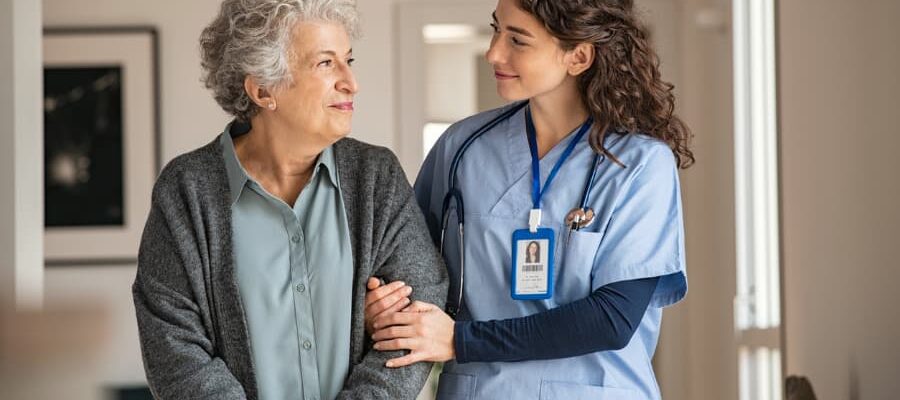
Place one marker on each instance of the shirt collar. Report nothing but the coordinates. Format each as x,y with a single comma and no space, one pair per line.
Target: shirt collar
238,176
326,160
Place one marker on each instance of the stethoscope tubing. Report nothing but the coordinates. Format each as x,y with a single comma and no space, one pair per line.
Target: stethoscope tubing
454,194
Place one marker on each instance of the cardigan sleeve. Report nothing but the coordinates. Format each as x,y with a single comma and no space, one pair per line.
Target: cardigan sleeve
402,250
177,349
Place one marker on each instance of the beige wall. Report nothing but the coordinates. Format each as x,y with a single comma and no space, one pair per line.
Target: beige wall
837,231
839,147
696,359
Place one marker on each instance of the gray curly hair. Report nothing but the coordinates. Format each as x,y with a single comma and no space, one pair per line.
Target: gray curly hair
253,38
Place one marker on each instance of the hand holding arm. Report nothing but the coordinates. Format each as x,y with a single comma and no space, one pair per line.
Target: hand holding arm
423,328
384,299
605,320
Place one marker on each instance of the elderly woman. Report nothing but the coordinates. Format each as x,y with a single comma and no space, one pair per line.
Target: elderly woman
255,254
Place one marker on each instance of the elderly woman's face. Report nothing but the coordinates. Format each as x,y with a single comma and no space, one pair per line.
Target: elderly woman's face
320,100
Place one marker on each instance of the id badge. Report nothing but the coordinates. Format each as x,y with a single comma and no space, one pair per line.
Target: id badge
532,264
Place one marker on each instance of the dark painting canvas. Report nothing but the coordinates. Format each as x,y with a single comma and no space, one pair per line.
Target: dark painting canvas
83,162
130,393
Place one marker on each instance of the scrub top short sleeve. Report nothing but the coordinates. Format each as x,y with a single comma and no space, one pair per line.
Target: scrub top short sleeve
645,234
427,193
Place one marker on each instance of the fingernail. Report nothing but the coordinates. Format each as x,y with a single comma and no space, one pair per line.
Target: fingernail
408,289
390,364
377,346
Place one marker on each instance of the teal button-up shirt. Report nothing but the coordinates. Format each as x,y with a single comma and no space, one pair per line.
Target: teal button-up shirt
294,269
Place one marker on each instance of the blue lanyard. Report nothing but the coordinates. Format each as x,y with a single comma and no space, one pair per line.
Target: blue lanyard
536,192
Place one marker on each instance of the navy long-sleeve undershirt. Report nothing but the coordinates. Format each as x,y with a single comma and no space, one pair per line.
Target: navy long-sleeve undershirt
605,320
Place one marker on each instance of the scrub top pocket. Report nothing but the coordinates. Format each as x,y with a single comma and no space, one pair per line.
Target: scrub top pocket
552,390
573,274
456,386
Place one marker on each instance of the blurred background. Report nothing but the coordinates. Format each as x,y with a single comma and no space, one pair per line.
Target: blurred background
790,211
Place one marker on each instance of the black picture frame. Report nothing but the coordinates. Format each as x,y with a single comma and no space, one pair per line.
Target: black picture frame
94,213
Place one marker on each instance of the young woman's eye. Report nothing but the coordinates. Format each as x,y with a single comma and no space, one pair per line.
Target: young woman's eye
495,27
326,63
516,41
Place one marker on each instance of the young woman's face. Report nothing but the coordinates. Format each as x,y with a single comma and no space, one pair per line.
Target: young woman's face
533,249
527,59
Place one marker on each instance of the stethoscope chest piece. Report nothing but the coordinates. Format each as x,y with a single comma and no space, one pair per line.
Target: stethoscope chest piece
579,218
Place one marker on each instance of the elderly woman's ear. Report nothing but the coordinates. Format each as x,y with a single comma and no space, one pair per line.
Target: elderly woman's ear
261,96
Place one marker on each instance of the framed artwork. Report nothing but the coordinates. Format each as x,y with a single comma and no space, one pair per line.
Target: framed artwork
129,393
101,142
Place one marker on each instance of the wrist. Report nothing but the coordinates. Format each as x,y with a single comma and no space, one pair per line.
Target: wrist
458,342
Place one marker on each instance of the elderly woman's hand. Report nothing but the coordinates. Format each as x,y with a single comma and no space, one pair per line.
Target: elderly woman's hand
384,299
422,328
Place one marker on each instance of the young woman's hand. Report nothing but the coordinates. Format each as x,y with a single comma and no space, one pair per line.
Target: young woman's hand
422,328
384,299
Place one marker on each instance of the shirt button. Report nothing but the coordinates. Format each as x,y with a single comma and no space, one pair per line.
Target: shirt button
295,238
307,345
301,288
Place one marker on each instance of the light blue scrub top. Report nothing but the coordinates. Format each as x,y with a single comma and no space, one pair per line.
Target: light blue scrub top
294,269
637,233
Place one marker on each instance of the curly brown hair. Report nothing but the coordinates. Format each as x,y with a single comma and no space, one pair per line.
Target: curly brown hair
623,89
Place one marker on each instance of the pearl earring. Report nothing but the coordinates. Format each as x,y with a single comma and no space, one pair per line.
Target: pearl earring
272,106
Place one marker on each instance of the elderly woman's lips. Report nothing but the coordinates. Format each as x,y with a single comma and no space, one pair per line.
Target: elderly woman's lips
348,106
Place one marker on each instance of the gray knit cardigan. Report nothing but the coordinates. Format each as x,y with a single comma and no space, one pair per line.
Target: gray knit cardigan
193,331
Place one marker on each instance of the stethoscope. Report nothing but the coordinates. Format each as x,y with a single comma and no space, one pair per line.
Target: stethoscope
579,217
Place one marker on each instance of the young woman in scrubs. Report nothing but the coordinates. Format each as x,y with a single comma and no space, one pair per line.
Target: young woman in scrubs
599,114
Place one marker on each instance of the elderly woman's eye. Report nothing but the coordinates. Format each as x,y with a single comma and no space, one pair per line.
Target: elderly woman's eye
495,27
350,61
326,63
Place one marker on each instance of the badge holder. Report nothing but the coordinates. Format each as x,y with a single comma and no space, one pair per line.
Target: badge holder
532,277
533,248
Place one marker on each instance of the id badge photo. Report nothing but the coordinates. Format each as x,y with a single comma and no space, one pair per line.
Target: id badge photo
532,264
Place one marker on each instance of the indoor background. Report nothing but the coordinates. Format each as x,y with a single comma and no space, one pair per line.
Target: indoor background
790,211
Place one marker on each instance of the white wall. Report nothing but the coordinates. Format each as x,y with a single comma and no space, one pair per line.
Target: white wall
450,81
840,140
108,289
21,167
